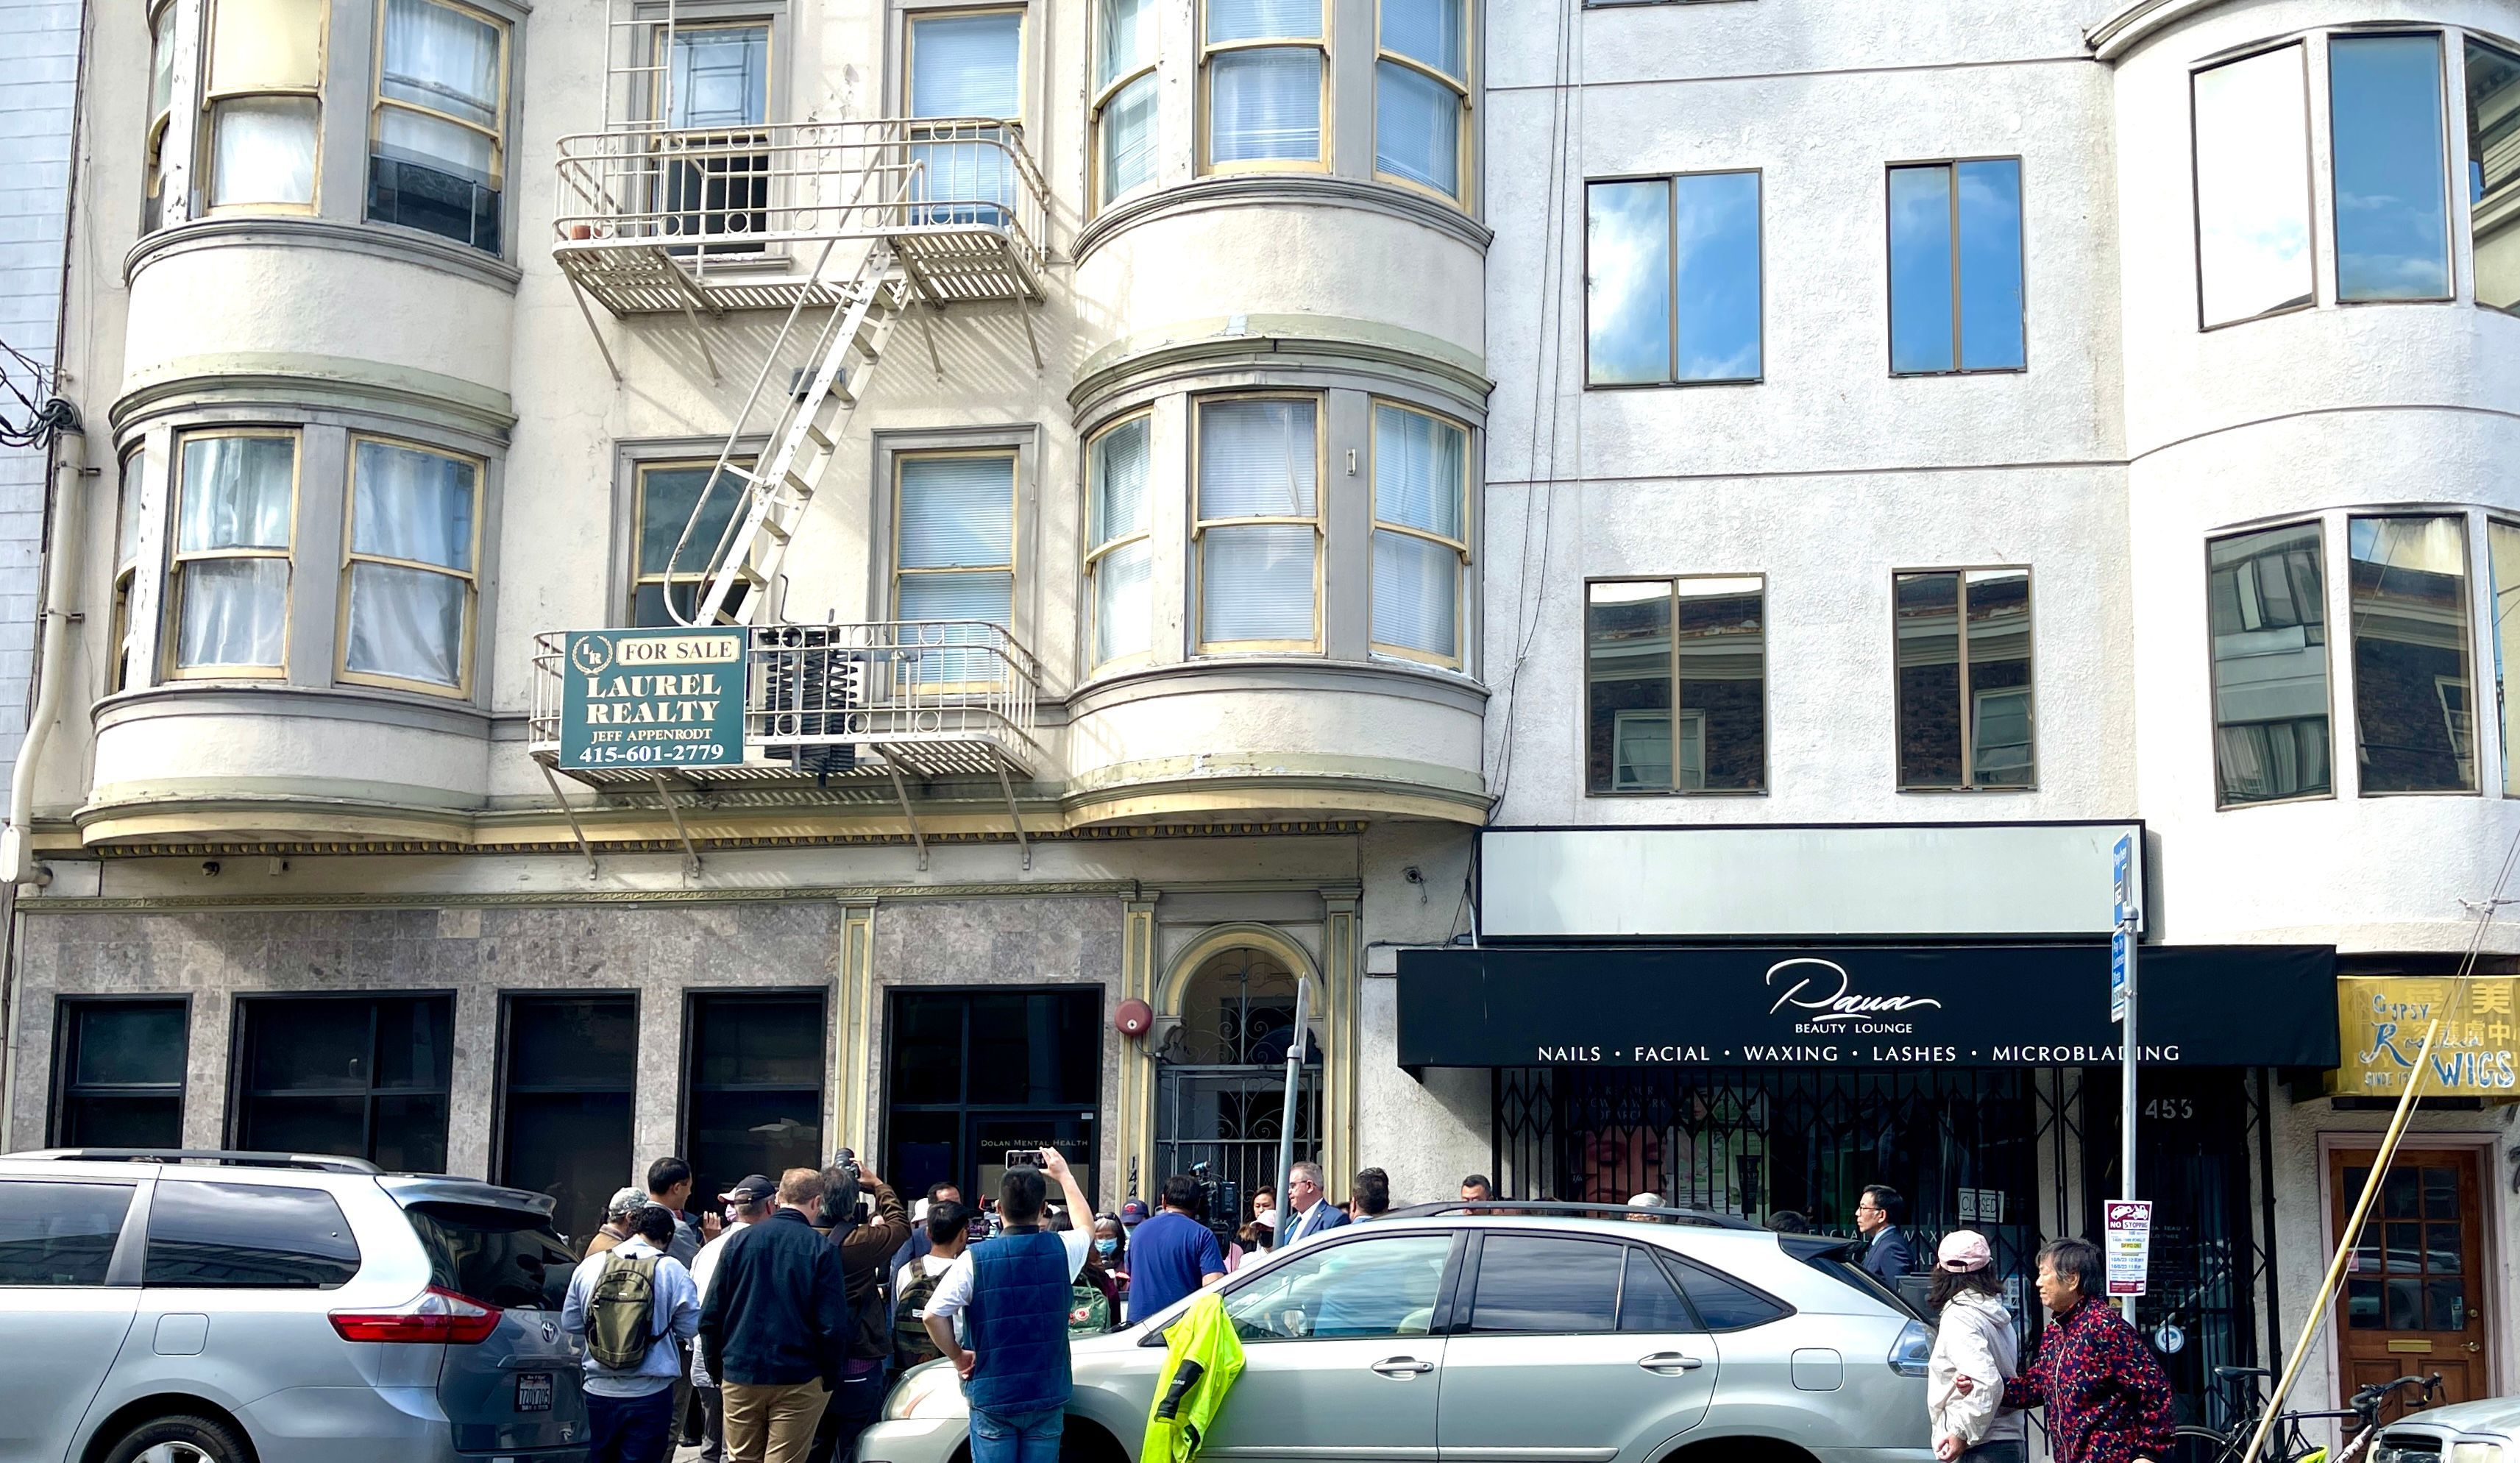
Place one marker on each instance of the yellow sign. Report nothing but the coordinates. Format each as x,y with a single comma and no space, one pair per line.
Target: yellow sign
2381,1028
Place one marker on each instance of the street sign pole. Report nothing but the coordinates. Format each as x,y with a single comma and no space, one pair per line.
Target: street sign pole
2123,941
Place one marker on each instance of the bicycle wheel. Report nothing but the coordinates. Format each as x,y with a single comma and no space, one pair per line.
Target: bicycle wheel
2201,1444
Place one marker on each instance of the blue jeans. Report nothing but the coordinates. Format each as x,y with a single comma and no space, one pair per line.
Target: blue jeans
1016,1437
630,1430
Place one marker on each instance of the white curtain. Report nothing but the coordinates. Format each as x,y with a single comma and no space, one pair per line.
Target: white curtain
126,540
1128,124
237,493
263,151
443,59
1265,104
407,504
1123,602
1262,20
1125,39
1417,478
407,623
1256,580
1416,594
162,63
1427,31
1417,127
233,612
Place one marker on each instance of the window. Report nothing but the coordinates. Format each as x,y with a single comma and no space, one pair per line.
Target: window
717,80
1124,98
1724,1303
162,113
2414,720
123,674
1955,267
437,158
1672,280
2384,109
1258,524
2252,119
1646,1300
336,1074
1675,685
410,581
1421,533
666,494
1263,65
1356,1290
232,533
2268,606
1538,1286
975,1072
954,556
966,69
752,1086
1421,93
1963,652
220,1236
1121,560
266,81
498,1256
2493,172
119,1068
568,1067
2503,542
59,1233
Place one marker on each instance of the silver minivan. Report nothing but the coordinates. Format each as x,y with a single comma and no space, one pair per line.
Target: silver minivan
232,1307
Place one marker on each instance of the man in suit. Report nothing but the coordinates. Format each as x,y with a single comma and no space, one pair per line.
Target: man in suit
1308,1212
1876,1217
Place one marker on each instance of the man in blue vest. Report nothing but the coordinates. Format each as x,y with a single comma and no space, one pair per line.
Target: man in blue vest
1011,1299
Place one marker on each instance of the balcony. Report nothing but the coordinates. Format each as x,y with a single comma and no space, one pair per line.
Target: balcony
657,221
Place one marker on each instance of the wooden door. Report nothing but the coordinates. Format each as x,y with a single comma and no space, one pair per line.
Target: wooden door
2414,1295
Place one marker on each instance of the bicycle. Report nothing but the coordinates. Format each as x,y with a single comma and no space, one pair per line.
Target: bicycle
2285,1442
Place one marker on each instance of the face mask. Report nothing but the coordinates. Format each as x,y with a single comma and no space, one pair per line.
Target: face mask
1107,1247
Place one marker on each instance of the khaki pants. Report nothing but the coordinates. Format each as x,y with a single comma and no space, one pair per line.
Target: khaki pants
772,1424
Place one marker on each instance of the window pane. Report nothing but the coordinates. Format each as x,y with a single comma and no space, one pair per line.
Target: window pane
237,493
1926,619
112,1121
2413,714
234,611
758,1041
1120,466
1543,1286
495,1256
266,43
2503,544
1723,716
2268,607
666,498
1265,104
1427,31
1256,582
2384,97
1256,459
1647,1300
1991,265
1416,129
966,65
409,504
407,623
161,61
1722,1304
1627,282
1628,687
443,59
1715,232
739,1131
2253,186
1417,472
964,596
259,1235
584,1043
126,537
1124,39
123,1044
1920,268
59,1233
1124,602
956,511
2493,172
1999,677
720,78
1364,1287
1035,1048
1262,20
574,1145
1128,123
1416,594
262,150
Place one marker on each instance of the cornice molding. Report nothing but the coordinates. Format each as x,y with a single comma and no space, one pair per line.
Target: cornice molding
295,383
1285,674
1281,190
1282,348
379,707
382,240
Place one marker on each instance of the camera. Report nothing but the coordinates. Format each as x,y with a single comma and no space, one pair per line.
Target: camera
1221,1200
842,1202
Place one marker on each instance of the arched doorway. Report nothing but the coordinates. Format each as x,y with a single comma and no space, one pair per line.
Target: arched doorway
1221,1074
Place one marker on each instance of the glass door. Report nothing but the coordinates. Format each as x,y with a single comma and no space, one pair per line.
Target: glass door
973,1073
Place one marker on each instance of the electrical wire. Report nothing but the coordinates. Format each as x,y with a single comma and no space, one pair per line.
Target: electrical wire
39,415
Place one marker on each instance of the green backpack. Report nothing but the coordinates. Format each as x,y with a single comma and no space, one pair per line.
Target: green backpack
619,1328
911,1342
1089,1311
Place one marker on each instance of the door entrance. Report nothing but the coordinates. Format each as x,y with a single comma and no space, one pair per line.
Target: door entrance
972,1073
2415,1296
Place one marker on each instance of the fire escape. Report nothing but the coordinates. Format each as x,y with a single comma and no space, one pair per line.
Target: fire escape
848,229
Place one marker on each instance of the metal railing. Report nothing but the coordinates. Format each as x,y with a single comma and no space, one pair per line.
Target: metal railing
711,194
934,697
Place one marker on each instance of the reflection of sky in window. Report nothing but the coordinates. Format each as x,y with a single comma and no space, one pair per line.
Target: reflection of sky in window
2392,220
1626,287
1715,235
2253,186
1921,269
1991,265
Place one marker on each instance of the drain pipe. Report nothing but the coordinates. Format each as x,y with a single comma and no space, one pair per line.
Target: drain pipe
67,563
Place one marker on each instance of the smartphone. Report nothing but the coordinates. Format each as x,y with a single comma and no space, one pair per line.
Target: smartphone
1023,1158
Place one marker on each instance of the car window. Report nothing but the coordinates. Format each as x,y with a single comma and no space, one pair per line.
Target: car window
1723,1302
1376,1287
259,1235
1647,1299
59,1233
1532,1282
499,1257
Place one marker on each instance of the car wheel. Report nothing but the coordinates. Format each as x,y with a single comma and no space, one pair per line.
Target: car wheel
180,1440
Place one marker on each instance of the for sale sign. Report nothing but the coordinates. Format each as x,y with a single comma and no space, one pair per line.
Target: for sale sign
2127,1231
653,699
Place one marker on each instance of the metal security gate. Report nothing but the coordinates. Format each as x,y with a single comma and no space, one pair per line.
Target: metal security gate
1230,1119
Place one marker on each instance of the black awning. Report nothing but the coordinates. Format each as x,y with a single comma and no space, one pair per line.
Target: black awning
1861,1006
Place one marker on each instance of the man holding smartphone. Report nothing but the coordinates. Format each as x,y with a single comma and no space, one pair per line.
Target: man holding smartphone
1012,1297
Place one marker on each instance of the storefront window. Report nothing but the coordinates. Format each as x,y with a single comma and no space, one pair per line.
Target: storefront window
567,1070
336,1074
753,1087
122,1074
973,1074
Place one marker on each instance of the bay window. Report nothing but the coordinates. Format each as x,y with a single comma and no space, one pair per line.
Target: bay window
1421,92
1420,535
235,504
2502,539
2385,122
1124,98
1258,523
126,570
1121,559
2252,121
2493,172
1263,65
162,113
264,99
2414,712
437,151
1962,642
1674,685
2267,605
409,584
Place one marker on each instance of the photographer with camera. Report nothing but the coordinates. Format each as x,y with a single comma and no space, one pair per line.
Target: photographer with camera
1174,1253
1012,1297
867,1222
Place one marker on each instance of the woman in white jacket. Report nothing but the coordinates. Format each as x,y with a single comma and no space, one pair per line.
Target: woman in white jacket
1973,1339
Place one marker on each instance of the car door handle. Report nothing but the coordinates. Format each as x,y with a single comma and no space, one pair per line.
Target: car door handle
1669,1363
1403,1366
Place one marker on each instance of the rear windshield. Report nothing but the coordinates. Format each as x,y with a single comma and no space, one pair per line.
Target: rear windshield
1836,1258
498,1256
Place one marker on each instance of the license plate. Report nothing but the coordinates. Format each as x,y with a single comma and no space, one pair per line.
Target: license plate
533,1391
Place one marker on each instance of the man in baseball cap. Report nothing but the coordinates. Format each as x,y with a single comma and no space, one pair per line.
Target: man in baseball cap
616,1229
751,1191
1135,1213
